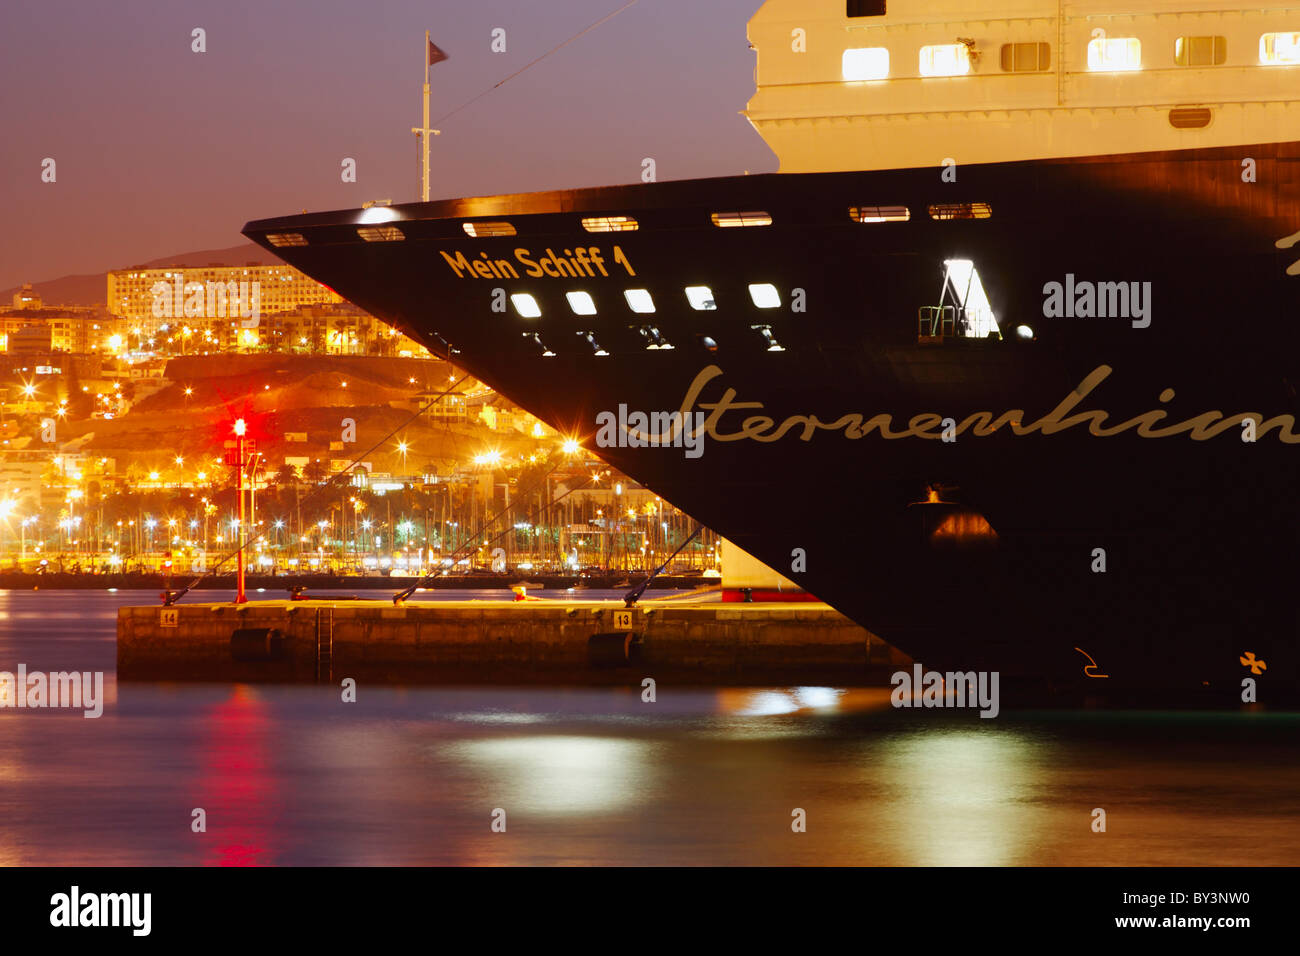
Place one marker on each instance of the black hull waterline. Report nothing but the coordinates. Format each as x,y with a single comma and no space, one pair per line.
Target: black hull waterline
1079,441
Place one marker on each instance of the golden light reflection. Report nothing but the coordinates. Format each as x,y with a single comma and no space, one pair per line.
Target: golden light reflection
559,774
960,797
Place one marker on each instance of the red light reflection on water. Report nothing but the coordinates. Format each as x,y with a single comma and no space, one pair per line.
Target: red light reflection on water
234,786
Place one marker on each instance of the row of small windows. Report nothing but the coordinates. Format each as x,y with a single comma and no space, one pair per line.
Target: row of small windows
937,211
700,297
1105,55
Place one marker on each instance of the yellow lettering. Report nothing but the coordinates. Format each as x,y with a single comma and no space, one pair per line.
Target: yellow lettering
531,268
459,263
622,260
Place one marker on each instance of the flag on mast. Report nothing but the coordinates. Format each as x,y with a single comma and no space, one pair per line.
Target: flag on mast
435,55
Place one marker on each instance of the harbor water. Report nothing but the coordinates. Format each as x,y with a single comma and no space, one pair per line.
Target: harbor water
419,775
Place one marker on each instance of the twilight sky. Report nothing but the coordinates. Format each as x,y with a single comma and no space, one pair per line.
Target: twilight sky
161,150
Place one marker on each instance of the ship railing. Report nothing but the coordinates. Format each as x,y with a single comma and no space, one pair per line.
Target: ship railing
935,322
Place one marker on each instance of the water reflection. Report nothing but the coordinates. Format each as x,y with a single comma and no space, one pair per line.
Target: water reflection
552,774
961,797
291,775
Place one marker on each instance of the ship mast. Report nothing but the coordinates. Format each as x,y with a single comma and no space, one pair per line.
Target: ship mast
422,132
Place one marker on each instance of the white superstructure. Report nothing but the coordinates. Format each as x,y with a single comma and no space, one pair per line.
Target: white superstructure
885,84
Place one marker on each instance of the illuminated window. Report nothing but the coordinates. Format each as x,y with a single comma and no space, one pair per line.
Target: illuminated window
1200,51
609,224
945,59
879,213
286,239
1026,57
1279,48
864,8
525,305
639,300
865,63
380,233
486,230
961,210
764,295
581,303
700,297
730,219
1112,54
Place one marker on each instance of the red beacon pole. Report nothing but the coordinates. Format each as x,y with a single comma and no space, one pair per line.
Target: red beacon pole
240,428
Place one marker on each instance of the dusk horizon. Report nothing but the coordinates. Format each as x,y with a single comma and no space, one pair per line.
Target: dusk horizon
259,124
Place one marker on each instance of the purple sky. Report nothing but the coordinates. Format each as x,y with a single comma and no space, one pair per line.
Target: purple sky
160,150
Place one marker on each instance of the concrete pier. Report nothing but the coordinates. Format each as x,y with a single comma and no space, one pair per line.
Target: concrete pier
498,642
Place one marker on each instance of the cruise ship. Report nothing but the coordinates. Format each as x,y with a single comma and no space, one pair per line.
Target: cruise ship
1002,363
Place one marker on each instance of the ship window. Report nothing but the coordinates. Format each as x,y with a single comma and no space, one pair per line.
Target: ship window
487,230
286,239
1190,117
707,341
525,305
654,339
380,233
729,219
701,298
581,303
1200,51
1279,48
591,340
879,213
609,224
1026,57
639,300
864,8
945,59
764,295
766,332
865,63
961,210
1110,54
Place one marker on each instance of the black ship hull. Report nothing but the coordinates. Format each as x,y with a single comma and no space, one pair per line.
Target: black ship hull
1097,499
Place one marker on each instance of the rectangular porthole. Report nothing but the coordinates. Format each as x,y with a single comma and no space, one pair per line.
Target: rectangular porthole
727,220
765,295
488,230
639,300
526,305
865,63
1200,51
1026,57
879,213
380,233
286,239
610,224
864,8
1279,49
1114,54
581,303
701,298
960,210
945,59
